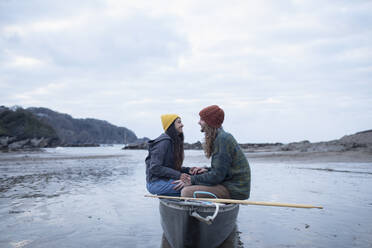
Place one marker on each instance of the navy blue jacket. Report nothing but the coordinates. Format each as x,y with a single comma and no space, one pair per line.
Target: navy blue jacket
160,160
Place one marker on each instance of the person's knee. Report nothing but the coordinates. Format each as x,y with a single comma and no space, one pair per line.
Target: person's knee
187,192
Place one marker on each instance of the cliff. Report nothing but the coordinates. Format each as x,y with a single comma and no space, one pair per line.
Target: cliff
73,131
41,127
20,129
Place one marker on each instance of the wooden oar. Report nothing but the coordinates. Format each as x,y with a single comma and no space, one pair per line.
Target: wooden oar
272,204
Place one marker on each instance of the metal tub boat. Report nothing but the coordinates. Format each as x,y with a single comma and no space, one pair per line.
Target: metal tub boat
197,223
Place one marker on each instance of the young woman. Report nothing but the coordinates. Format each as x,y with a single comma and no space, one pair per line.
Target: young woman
229,175
165,158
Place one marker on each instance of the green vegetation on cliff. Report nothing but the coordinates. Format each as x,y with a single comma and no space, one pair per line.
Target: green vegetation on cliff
44,123
73,131
23,125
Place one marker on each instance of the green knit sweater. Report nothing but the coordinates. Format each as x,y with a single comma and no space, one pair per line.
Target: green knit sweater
229,167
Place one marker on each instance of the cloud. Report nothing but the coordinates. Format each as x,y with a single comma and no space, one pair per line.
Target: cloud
24,62
282,71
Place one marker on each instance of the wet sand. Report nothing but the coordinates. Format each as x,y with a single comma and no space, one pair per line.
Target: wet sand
311,157
93,197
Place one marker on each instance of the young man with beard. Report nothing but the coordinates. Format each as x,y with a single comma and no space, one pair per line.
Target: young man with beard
229,175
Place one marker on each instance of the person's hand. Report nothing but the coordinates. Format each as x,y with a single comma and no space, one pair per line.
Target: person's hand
193,170
201,170
179,184
197,170
186,179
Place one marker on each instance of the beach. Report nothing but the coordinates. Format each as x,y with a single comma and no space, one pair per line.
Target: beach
312,157
94,197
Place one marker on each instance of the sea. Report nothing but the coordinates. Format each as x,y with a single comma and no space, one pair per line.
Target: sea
95,197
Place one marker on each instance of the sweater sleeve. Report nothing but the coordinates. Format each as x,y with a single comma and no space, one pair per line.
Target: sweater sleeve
221,161
185,170
157,166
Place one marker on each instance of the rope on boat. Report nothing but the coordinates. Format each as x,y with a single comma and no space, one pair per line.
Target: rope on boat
209,219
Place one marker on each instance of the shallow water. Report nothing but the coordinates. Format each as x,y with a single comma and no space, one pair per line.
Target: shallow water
93,197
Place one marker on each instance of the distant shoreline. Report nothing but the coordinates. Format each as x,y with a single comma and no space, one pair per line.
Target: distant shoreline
359,156
311,157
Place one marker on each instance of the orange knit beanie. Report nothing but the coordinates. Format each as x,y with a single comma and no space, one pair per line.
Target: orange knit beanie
213,116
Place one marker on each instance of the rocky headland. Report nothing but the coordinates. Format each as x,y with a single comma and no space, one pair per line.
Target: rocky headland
41,127
350,148
357,141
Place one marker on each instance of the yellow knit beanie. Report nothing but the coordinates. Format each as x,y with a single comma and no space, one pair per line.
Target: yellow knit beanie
167,120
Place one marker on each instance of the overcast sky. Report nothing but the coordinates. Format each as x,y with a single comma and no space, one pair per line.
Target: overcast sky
283,71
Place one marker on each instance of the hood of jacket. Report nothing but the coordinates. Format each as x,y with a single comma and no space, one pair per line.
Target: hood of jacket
163,136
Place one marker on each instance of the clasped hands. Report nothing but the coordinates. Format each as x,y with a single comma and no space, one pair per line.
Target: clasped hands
185,179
